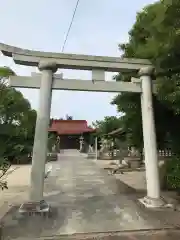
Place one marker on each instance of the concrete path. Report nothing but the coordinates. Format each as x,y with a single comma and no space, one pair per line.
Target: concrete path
84,199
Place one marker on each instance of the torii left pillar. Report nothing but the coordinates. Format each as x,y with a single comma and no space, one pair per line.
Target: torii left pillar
36,202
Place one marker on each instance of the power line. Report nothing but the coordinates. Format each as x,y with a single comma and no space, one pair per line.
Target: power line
70,25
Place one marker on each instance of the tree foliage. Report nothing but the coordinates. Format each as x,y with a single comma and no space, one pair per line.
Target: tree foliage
155,36
17,121
107,125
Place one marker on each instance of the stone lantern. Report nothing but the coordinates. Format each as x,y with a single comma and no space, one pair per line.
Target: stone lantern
81,142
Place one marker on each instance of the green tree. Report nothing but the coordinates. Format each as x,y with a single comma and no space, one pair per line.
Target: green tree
17,121
155,36
4,163
107,125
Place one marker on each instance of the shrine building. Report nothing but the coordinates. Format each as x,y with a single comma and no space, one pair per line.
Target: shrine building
71,132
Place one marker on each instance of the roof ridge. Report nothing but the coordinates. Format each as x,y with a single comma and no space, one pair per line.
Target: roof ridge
68,120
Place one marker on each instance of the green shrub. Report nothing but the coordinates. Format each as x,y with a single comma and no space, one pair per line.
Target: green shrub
173,174
4,166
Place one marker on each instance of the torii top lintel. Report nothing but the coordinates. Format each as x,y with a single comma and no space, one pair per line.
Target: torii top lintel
73,61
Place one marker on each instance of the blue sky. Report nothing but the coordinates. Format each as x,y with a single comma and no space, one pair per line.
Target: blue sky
99,26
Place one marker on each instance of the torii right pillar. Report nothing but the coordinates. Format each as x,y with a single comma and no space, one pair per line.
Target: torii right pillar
153,198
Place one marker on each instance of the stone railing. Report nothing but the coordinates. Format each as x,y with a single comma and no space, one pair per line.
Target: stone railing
120,153
165,153
51,156
115,154
132,158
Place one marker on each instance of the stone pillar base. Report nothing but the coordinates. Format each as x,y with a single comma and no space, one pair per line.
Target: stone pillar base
35,208
152,202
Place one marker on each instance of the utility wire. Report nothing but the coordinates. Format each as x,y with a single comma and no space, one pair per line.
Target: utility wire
74,13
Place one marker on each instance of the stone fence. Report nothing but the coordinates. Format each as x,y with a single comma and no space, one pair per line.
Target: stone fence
116,154
161,153
133,160
165,153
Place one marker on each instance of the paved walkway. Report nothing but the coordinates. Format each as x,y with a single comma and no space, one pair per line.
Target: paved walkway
84,199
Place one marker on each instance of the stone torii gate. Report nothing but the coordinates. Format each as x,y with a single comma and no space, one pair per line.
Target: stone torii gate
48,63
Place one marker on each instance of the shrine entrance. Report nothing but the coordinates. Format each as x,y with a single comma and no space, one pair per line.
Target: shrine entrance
48,63
70,132
69,142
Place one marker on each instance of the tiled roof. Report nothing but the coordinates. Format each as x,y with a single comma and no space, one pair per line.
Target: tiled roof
64,127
